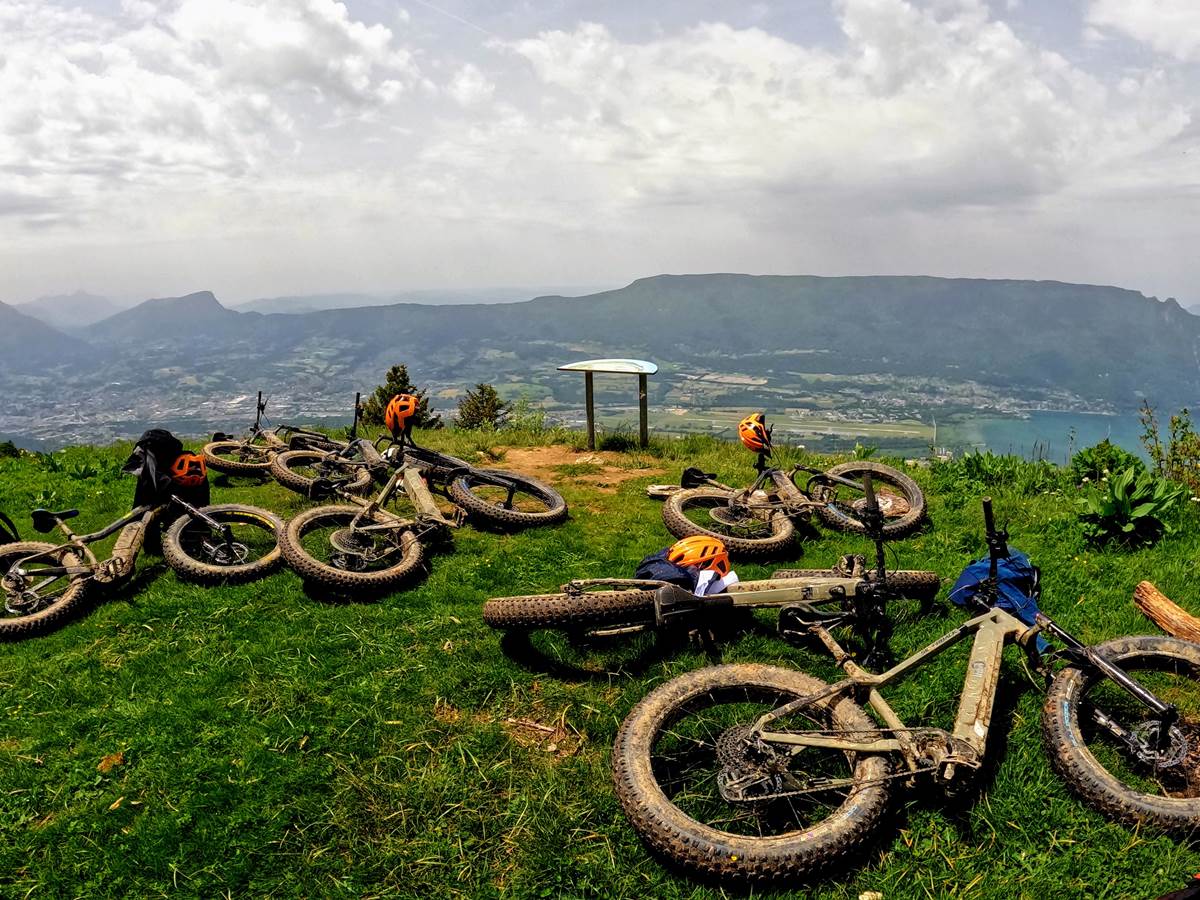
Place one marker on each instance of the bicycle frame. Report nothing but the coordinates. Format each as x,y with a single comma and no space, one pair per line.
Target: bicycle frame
125,552
934,749
408,481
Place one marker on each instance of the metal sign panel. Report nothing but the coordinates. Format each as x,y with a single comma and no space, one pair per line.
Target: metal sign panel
614,366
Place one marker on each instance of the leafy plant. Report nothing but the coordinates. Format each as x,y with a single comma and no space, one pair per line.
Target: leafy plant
482,408
1098,462
864,451
397,382
1131,508
9,450
989,470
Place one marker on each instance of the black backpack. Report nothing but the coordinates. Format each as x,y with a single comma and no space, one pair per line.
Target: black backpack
151,461
656,567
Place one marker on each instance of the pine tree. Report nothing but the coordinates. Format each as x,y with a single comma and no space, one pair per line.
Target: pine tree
398,382
482,408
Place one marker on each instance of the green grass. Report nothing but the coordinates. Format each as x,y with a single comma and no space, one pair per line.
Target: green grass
274,743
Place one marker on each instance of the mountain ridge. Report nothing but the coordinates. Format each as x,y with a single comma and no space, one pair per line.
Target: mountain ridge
892,347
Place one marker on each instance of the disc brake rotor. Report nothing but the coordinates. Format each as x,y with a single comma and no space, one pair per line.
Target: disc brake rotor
727,515
891,505
1170,756
227,554
24,604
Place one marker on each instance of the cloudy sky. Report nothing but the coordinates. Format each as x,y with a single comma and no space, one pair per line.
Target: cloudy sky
263,147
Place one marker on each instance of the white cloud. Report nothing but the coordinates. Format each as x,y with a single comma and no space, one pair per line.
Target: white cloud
920,110
186,95
1168,26
470,86
288,145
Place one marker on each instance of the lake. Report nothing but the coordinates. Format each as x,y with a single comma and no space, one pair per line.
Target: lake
1047,434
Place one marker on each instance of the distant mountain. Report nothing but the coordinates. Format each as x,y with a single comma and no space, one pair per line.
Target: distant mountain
1193,309
888,347
1100,343
317,302
31,346
170,321
71,312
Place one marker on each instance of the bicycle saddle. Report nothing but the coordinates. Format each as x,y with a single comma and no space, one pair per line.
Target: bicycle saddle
221,436
693,477
44,520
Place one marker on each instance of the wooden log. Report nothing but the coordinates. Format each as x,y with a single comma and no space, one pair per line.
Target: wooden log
1164,613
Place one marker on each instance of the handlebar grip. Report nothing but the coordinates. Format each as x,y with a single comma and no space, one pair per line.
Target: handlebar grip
989,520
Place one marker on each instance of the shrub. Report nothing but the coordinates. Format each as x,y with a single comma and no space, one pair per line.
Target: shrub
1098,462
1179,458
1130,508
482,408
9,450
397,382
989,470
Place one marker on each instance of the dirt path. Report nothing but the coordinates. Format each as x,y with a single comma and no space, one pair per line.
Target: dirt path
603,470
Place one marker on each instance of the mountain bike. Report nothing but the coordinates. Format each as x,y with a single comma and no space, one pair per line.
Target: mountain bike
43,582
251,454
360,545
311,455
496,497
760,520
757,773
592,613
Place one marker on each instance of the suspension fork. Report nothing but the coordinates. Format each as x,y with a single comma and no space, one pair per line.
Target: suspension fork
1167,712
223,528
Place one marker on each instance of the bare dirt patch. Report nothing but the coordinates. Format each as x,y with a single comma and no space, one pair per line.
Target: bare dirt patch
602,470
557,738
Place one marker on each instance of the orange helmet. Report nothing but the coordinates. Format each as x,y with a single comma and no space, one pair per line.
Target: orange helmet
700,552
399,410
754,433
189,469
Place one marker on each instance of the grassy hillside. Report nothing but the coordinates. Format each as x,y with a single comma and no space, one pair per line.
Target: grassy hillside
263,740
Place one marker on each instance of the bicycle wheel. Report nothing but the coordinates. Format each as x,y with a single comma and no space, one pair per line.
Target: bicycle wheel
532,502
900,498
746,531
1163,790
36,601
687,741
298,469
237,458
910,583
197,552
324,545
584,610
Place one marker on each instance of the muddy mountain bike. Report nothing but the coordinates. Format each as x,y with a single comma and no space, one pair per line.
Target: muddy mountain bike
760,520
621,604
592,614
360,544
353,465
43,582
758,773
494,497
251,454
